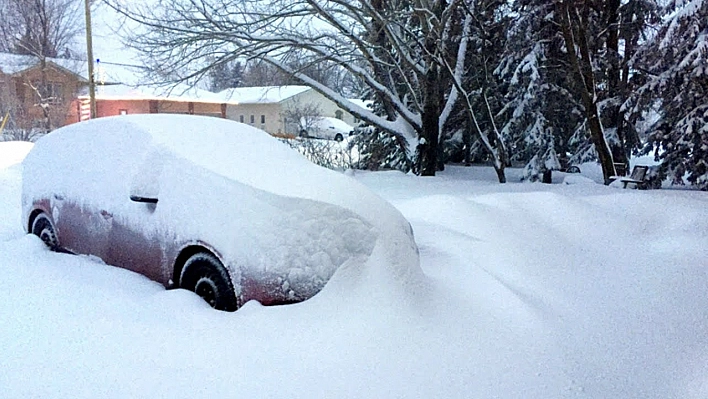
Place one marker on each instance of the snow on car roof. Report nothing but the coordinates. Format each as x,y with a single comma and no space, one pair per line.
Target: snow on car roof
334,124
231,149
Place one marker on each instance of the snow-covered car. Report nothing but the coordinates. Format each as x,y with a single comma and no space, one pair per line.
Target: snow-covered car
206,204
326,128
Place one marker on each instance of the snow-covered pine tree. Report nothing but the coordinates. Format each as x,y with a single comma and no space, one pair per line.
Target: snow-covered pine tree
675,62
541,113
568,78
379,149
616,28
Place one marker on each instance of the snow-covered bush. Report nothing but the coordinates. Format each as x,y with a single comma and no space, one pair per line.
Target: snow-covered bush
30,135
326,153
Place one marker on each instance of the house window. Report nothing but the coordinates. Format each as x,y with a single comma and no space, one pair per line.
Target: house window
339,114
240,118
51,92
55,91
122,112
262,119
253,119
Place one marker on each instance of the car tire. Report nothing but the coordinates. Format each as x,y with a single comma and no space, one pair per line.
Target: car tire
204,275
338,137
573,169
43,228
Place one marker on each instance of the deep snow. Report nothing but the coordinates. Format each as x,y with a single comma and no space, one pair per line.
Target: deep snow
531,291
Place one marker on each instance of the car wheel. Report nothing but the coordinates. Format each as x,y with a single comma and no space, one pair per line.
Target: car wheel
338,137
573,169
43,228
304,134
204,275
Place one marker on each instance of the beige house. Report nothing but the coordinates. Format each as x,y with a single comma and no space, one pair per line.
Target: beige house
275,108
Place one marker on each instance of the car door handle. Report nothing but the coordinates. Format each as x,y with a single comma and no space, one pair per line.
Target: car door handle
106,215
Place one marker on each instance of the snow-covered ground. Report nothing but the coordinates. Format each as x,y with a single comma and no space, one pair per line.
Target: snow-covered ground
531,291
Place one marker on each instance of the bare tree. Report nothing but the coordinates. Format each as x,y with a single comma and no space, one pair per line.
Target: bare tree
300,118
397,49
41,28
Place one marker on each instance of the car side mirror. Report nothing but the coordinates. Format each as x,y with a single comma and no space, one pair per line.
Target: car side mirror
147,200
145,183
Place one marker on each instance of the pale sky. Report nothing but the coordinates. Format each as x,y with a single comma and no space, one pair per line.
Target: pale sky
107,44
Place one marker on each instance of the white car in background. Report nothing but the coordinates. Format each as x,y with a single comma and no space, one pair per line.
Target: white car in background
327,128
206,204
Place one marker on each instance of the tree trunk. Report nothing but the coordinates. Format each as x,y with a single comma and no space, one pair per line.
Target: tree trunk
500,173
43,94
432,101
583,71
431,119
467,141
377,37
615,85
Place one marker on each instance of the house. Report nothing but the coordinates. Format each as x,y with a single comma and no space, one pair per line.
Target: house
40,93
278,109
120,99
66,87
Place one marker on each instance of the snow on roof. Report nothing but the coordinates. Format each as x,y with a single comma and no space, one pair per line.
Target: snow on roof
14,63
179,92
260,95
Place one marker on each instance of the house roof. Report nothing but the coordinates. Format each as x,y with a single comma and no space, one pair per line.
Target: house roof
105,72
181,92
12,64
123,82
260,95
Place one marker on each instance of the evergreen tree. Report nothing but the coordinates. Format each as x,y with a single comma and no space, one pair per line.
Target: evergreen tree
541,113
571,100
618,25
675,65
225,75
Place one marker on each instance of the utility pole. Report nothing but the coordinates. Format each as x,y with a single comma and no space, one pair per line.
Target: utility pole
89,53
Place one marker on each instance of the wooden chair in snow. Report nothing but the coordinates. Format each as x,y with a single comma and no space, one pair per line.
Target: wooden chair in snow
638,177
